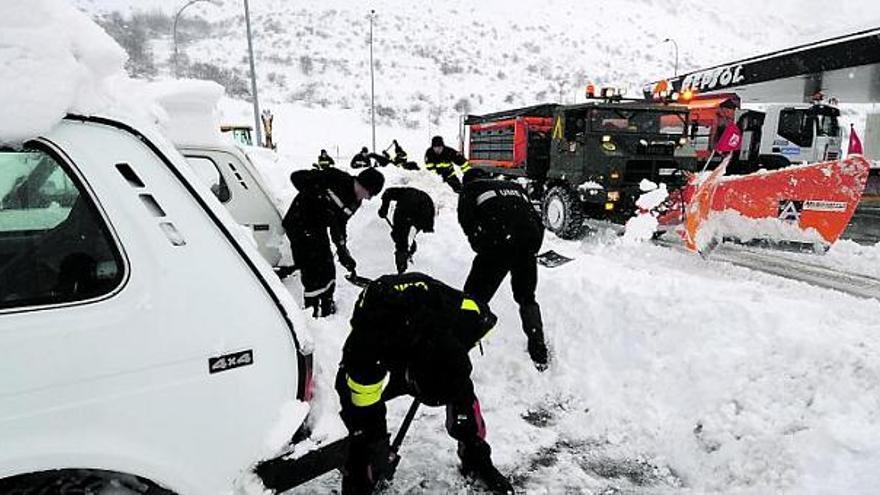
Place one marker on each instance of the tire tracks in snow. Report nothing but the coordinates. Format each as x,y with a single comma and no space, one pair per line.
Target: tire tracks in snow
858,285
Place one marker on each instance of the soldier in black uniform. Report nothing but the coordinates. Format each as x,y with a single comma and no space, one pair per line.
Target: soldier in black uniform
362,159
326,200
325,161
401,159
413,212
380,160
441,158
419,331
506,233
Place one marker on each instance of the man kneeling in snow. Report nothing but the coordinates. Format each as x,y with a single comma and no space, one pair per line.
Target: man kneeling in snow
419,331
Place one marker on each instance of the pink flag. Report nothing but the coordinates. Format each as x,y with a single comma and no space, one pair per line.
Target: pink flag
855,144
730,140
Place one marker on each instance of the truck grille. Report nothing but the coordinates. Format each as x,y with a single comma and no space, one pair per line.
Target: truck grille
636,170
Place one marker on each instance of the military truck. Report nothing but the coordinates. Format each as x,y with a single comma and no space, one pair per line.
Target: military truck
584,160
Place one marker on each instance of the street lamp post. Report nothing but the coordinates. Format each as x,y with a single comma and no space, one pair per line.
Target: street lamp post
174,32
247,20
561,86
372,83
667,40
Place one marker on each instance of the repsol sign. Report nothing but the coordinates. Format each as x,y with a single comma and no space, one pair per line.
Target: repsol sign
718,77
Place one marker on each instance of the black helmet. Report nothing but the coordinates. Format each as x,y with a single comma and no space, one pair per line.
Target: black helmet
323,152
437,141
365,150
473,174
372,180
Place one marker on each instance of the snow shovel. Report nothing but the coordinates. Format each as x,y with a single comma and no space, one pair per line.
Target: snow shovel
393,456
552,259
282,474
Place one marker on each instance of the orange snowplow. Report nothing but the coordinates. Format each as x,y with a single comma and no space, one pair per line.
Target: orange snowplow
803,203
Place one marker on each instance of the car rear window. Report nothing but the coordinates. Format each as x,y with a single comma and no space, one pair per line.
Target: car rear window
54,246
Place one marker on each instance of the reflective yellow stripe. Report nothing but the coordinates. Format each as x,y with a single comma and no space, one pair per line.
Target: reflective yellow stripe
364,395
465,167
438,165
469,305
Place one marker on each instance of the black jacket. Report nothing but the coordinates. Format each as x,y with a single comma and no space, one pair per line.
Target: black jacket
326,199
360,161
444,159
497,214
325,161
411,207
416,327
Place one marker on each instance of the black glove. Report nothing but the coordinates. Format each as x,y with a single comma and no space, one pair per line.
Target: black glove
345,258
412,248
383,210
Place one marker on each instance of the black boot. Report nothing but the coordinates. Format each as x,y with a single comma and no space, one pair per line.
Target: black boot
476,464
534,330
401,259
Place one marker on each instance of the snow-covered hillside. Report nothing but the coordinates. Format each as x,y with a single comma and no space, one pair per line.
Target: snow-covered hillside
437,60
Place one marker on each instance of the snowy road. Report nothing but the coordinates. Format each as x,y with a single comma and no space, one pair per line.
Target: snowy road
794,268
671,374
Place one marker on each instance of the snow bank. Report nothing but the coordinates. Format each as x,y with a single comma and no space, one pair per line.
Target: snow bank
731,223
53,60
642,226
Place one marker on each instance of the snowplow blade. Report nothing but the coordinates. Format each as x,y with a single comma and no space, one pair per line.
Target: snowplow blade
282,473
803,203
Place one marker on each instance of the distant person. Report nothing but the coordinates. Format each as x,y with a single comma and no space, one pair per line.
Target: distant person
380,160
410,335
401,159
412,211
326,200
506,233
324,161
441,159
362,159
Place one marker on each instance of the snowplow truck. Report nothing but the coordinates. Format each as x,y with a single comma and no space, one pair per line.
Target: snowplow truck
584,160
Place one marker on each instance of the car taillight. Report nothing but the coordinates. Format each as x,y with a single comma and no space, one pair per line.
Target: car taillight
306,386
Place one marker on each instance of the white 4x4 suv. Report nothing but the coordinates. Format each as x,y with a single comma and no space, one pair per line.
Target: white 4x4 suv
146,348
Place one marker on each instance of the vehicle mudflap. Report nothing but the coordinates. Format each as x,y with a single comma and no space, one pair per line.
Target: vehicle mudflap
283,473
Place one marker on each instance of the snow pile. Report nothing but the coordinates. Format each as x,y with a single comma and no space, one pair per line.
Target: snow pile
53,60
189,111
641,227
733,224
671,374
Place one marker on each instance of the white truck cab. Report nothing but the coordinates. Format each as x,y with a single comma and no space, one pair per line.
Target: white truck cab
801,133
148,348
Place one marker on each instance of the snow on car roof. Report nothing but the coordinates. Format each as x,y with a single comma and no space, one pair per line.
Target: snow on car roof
191,112
53,60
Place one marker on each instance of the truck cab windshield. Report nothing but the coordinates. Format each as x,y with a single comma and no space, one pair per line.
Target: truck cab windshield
607,120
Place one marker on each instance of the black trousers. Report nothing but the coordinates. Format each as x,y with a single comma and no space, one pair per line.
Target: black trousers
310,247
489,269
400,234
369,431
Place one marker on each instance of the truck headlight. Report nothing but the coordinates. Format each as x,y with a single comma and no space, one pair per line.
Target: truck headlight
613,196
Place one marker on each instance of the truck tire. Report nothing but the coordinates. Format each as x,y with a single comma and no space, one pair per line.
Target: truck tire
562,213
